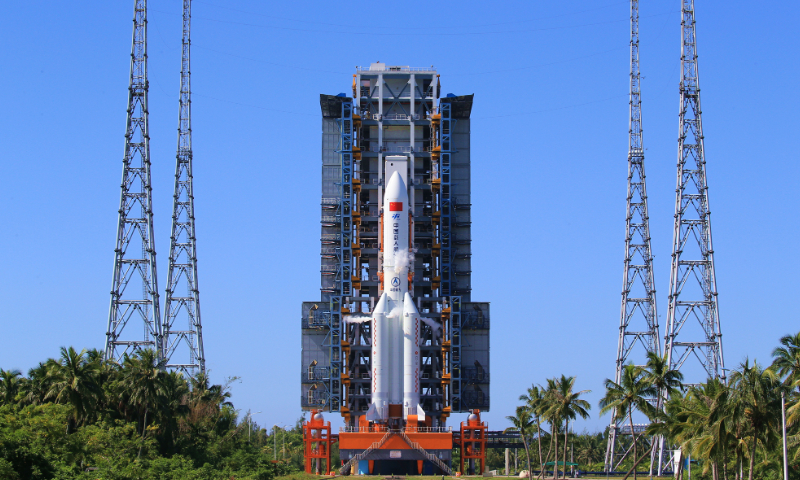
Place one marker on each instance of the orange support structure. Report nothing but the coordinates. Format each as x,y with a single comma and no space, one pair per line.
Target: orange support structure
473,441
318,440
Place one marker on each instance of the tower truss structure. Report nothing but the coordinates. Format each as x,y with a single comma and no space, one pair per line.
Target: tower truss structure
134,290
182,346
693,328
638,325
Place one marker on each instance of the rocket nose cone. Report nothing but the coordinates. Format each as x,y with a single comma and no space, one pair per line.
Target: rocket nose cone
395,187
409,309
380,307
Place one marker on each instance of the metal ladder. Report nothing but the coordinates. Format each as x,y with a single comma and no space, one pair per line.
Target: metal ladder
358,457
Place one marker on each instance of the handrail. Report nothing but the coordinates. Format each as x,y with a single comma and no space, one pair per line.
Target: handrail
391,68
431,457
357,429
392,148
429,429
360,456
396,116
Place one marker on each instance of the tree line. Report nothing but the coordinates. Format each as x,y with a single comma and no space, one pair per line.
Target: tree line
731,429
80,417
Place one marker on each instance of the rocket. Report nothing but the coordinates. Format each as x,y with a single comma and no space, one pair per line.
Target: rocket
395,318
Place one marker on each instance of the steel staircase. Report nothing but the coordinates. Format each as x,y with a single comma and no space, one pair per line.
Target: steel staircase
358,457
431,457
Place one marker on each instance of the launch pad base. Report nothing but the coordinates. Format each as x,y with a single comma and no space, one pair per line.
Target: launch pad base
405,452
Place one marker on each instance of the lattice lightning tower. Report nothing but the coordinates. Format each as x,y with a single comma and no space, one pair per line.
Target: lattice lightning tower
183,338
134,290
638,325
693,285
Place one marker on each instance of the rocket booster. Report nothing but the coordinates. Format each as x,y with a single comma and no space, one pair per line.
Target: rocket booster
410,358
395,318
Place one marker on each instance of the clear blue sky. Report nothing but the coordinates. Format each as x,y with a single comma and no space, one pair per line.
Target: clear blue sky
549,145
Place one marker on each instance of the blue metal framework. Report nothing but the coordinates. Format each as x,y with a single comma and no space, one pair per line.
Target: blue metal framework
346,154
445,227
333,340
334,343
455,354
447,252
314,374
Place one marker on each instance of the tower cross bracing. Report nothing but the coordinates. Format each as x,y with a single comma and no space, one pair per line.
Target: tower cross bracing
638,326
693,286
134,319
182,330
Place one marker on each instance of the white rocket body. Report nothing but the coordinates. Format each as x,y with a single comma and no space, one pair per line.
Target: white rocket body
395,318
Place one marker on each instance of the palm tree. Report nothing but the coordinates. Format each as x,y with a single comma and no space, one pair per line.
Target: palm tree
793,409
666,380
589,448
633,393
522,423
787,359
669,423
143,383
9,385
534,400
206,401
550,411
658,373
35,388
73,380
203,392
725,428
705,418
172,408
787,364
757,390
94,355
568,406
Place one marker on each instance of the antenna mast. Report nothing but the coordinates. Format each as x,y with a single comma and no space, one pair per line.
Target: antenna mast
693,284
638,325
134,288
183,339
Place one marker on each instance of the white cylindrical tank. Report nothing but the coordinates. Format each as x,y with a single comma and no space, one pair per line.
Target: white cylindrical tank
380,358
410,356
395,239
395,275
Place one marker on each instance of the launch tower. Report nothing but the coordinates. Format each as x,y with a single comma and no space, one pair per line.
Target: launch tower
395,343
